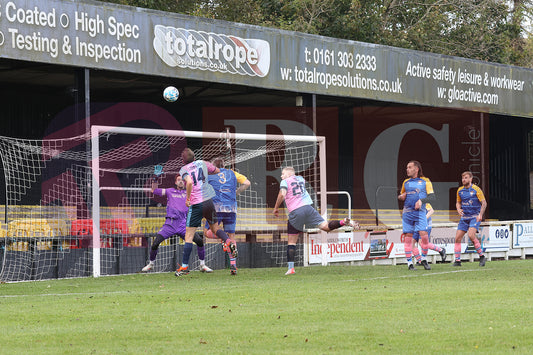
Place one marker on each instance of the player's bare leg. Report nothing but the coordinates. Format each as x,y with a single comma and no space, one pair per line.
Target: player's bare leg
332,225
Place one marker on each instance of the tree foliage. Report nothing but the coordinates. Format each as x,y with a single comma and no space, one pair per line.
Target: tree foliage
490,30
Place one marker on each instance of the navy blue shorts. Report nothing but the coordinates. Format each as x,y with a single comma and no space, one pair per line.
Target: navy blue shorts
200,210
228,220
303,217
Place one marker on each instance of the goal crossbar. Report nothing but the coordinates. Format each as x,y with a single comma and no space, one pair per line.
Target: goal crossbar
98,130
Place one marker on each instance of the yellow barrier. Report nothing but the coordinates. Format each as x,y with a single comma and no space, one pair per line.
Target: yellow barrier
150,225
38,227
18,246
134,226
49,212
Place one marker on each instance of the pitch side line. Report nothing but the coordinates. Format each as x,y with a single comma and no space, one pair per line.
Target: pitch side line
72,294
412,275
103,293
158,291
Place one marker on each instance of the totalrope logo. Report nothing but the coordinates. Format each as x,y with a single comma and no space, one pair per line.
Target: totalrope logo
184,48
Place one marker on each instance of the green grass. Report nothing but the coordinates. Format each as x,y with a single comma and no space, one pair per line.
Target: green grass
320,310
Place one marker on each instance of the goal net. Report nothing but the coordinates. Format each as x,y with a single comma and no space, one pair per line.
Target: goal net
83,206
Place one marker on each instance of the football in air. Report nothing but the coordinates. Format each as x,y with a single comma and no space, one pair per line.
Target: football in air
171,94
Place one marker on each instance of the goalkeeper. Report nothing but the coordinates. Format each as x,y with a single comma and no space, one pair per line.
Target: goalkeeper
301,212
175,222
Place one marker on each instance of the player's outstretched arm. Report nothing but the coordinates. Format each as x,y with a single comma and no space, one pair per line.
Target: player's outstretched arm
158,170
243,181
188,189
211,169
246,184
279,201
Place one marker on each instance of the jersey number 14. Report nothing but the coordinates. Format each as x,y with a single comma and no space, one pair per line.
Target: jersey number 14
200,177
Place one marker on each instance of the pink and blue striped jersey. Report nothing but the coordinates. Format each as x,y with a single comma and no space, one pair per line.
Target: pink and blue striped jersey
297,196
415,189
470,199
198,171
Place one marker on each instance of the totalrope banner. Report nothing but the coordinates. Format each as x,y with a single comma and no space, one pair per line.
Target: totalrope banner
114,37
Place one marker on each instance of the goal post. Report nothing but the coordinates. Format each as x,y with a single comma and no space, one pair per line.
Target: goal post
98,131
72,212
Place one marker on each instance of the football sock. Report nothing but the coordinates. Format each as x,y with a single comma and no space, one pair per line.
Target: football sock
186,254
201,252
232,260
416,254
153,255
291,252
477,245
457,251
434,247
408,249
424,241
222,235
334,225
155,246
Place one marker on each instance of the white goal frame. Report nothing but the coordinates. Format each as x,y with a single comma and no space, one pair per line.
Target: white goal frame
96,131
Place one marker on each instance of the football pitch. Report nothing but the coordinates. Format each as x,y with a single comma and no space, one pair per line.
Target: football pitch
319,310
